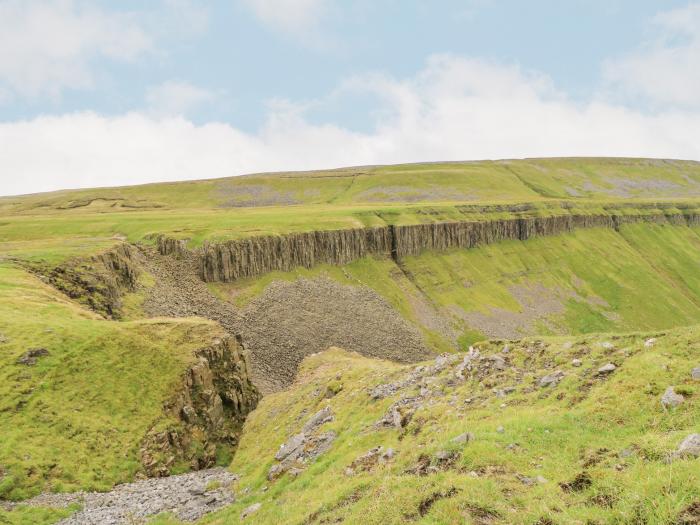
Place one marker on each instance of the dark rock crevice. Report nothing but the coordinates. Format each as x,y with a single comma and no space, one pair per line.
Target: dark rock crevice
205,415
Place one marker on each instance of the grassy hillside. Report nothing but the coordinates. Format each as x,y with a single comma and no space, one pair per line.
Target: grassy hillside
75,419
507,180
592,449
66,222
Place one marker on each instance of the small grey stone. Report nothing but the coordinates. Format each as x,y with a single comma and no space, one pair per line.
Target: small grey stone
626,453
500,430
689,447
650,342
576,362
607,345
695,373
464,438
607,369
551,379
319,418
671,399
255,507
389,454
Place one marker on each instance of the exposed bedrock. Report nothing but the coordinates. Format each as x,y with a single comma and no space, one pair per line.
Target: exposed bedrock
99,281
254,256
206,412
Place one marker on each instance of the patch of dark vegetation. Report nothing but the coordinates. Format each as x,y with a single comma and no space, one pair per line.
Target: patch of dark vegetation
604,499
481,515
425,505
580,483
690,515
31,356
441,461
544,521
595,457
321,515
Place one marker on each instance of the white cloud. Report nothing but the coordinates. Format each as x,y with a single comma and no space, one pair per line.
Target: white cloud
48,45
455,109
173,98
665,70
292,16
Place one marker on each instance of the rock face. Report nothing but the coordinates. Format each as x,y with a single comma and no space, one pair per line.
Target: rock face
304,447
253,256
257,255
97,282
209,409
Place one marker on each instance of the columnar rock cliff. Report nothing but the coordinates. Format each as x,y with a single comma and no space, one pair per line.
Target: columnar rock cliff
206,412
258,255
253,256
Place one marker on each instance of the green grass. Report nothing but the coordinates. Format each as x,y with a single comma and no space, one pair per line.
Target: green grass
76,418
514,180
34,515
559,432
67,222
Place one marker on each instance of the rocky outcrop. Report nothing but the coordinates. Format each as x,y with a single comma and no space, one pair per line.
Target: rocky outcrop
99,281
204,417
254,256
170,246
257,255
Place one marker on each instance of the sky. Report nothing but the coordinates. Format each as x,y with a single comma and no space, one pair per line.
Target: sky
107,93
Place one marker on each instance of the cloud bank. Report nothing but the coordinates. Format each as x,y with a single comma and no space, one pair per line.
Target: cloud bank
454,109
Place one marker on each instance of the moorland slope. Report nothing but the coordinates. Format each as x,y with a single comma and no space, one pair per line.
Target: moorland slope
138,324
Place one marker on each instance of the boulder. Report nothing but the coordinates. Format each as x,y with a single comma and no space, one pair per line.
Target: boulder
671,399
465,437
551,379
689,447
606,369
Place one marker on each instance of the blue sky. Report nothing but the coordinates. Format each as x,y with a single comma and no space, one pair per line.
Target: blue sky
105,93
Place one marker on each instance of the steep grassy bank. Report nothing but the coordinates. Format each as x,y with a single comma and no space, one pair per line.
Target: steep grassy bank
79,394
591,447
